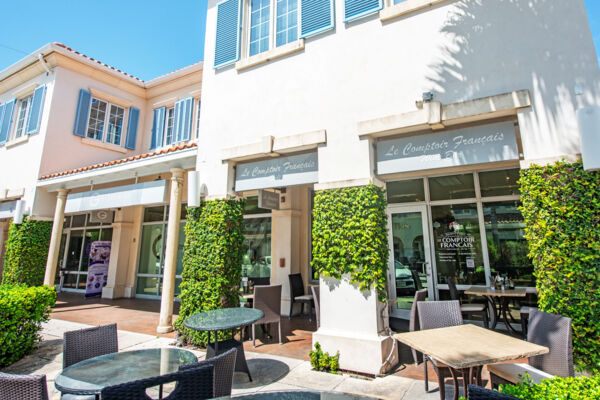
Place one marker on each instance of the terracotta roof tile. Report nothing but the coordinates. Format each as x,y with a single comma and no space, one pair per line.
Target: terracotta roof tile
166,150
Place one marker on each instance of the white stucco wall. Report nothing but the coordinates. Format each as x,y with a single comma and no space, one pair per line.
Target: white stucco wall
460,50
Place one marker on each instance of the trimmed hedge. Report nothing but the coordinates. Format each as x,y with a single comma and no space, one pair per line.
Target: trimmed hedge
561,208
22,310
212,262
579,388
349,236
26,252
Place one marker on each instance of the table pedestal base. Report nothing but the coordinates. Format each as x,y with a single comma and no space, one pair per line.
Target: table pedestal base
241,365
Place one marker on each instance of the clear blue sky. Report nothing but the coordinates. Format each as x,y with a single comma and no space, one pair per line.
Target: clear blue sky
145,38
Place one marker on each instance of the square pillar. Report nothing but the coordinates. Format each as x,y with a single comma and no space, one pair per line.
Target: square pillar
121,246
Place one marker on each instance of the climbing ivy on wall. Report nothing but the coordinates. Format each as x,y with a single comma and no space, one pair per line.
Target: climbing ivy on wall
212,262
349,236
26,252
561,208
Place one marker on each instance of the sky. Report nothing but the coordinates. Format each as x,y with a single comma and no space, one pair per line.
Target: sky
145,38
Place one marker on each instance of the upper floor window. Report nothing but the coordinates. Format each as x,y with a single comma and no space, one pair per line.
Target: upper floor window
173,124
22,116
105,122
285,24
170,123
24,110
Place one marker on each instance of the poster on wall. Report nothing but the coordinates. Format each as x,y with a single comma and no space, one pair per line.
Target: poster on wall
98,268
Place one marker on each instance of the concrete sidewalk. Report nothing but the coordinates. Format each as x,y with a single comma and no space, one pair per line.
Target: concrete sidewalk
269,372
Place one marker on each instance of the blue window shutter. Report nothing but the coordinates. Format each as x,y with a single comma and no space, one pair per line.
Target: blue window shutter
354,9
184,112
6,120
132,126
158,128
316,16
227,43
2,139
35,112
83,113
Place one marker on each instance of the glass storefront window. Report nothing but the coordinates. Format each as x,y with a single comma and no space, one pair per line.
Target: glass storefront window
499,183
256,262
148,285
457,243
78,221
251,206
154,214
405,191
452,187
507,247
150,252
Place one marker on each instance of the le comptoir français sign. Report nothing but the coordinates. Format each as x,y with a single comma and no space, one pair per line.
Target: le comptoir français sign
475,145
299,169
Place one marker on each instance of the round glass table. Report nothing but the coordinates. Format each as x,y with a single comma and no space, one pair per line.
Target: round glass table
221,320
300,395
90,376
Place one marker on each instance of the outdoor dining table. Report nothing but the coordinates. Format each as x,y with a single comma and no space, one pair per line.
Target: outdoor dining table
490,294
300,395
90,376
222,320
468,348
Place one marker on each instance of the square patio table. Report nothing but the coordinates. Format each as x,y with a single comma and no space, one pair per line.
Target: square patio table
464,347
490,294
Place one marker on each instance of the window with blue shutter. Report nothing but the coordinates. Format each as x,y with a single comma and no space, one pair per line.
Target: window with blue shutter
227,45
2,139
286,30
184,110
316,16
36,110
158,128
132,126
7,117
83,113
354,9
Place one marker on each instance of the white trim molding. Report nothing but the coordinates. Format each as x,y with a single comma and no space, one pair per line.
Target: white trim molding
274,53
406,7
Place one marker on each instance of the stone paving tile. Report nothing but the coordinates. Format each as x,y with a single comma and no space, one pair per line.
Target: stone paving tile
389,387
304,376
128,340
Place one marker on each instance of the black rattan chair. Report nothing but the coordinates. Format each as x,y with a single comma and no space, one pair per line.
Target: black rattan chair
468,309
191,384
19,387
413,323
268,300
86,343
223,365
297,294
439,314
479,393
316,292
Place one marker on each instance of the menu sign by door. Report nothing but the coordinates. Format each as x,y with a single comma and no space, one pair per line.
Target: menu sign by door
98,268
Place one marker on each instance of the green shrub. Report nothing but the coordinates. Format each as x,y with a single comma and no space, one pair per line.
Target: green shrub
26,252
561,209
22,310
349,236
321,361
579,388
212,262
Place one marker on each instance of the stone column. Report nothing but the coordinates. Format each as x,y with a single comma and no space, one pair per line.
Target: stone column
168,287
57,228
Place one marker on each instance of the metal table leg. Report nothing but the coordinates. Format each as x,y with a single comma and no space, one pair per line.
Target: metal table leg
505,316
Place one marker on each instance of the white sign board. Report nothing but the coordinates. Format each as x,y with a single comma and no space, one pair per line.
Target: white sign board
121,196
589,130
277,172
268,200
7,209
475,145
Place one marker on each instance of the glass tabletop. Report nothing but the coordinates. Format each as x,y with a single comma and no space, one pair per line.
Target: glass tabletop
92,375
222,319
300,395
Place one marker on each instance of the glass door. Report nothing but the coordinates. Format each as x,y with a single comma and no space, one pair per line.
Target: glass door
410,256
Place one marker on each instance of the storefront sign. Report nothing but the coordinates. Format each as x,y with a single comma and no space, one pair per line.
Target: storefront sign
277,172
98,268
154,192
476,145
268,200
7,209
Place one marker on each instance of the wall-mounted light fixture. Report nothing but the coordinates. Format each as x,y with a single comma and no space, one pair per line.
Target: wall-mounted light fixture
18,213
193,198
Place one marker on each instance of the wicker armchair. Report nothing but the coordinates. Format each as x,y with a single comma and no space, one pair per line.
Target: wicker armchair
297,295
268,300
552,331
316,292
223,366
479,393
86,343
413,323
470,308
192,384
439,314
19,387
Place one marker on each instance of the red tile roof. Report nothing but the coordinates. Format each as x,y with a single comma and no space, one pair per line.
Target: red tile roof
167,150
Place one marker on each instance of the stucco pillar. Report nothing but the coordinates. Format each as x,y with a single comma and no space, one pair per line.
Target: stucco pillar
57,228
121,243
168,287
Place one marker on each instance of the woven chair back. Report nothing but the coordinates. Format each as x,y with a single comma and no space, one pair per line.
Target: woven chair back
554,332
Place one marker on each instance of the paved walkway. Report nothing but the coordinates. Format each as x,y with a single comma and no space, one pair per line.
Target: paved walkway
270,372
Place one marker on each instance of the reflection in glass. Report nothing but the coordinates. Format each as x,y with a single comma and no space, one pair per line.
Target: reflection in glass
452,187
151,251
507,247
90,236
154,214
499,183
457,243
256,262
78,221
409,256
74,251
149,285
70,281
405,191
106,235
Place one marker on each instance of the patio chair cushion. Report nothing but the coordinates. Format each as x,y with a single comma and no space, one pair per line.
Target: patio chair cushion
472,307
513,372
304,297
